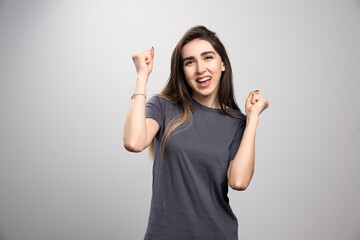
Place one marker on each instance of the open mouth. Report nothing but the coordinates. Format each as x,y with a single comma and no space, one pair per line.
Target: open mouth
202,80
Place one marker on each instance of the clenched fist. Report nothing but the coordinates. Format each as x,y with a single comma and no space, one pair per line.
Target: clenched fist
144,62
255,104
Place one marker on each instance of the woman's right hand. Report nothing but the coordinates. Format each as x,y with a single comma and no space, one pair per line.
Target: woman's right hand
144,62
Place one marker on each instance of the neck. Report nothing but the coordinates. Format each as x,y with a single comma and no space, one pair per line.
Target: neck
211,102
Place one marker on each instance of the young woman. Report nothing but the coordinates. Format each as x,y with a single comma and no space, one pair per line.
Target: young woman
200,140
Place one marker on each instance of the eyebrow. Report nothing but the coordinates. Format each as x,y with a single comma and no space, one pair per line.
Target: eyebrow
202,54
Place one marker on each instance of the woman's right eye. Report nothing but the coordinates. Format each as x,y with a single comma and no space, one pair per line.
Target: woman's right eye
188,63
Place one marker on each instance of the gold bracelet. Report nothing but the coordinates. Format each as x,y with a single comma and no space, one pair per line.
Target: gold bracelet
135,94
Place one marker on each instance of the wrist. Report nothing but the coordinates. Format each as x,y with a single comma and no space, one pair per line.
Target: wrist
252,118
141,85
142,77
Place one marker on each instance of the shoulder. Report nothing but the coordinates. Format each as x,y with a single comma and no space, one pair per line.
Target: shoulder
237,114
161,101
157,99
162,105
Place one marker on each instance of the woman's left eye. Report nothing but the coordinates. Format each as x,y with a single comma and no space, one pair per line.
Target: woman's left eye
208,57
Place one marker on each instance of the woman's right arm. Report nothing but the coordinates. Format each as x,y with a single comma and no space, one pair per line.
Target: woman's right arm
138,130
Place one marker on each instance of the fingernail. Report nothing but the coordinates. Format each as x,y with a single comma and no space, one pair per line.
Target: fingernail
153,48
256,91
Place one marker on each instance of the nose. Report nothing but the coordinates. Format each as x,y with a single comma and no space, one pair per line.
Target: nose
200,68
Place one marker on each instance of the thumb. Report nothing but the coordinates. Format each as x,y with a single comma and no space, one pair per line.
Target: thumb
253,99
248,100
152,52
151,62
254,96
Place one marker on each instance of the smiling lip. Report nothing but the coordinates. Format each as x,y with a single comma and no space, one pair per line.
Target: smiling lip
203,82
203,79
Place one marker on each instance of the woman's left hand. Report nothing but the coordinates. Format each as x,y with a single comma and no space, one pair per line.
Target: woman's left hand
255,104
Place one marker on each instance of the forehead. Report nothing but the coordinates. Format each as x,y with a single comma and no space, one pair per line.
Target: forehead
196,47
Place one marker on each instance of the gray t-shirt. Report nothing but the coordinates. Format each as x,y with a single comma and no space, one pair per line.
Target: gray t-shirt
189,191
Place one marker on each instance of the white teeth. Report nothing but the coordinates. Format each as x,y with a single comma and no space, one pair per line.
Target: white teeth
204,79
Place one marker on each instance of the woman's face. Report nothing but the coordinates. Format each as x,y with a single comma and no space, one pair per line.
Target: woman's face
202,68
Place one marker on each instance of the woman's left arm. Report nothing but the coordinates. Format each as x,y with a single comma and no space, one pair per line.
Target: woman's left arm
241,169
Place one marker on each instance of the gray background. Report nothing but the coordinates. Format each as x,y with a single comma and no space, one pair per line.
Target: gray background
67,77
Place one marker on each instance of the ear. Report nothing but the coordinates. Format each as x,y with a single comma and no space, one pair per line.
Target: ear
223,67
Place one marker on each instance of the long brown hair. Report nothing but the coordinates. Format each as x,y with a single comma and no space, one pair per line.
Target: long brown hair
178,91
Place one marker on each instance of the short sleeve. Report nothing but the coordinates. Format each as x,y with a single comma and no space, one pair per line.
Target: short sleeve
237,139
153,109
